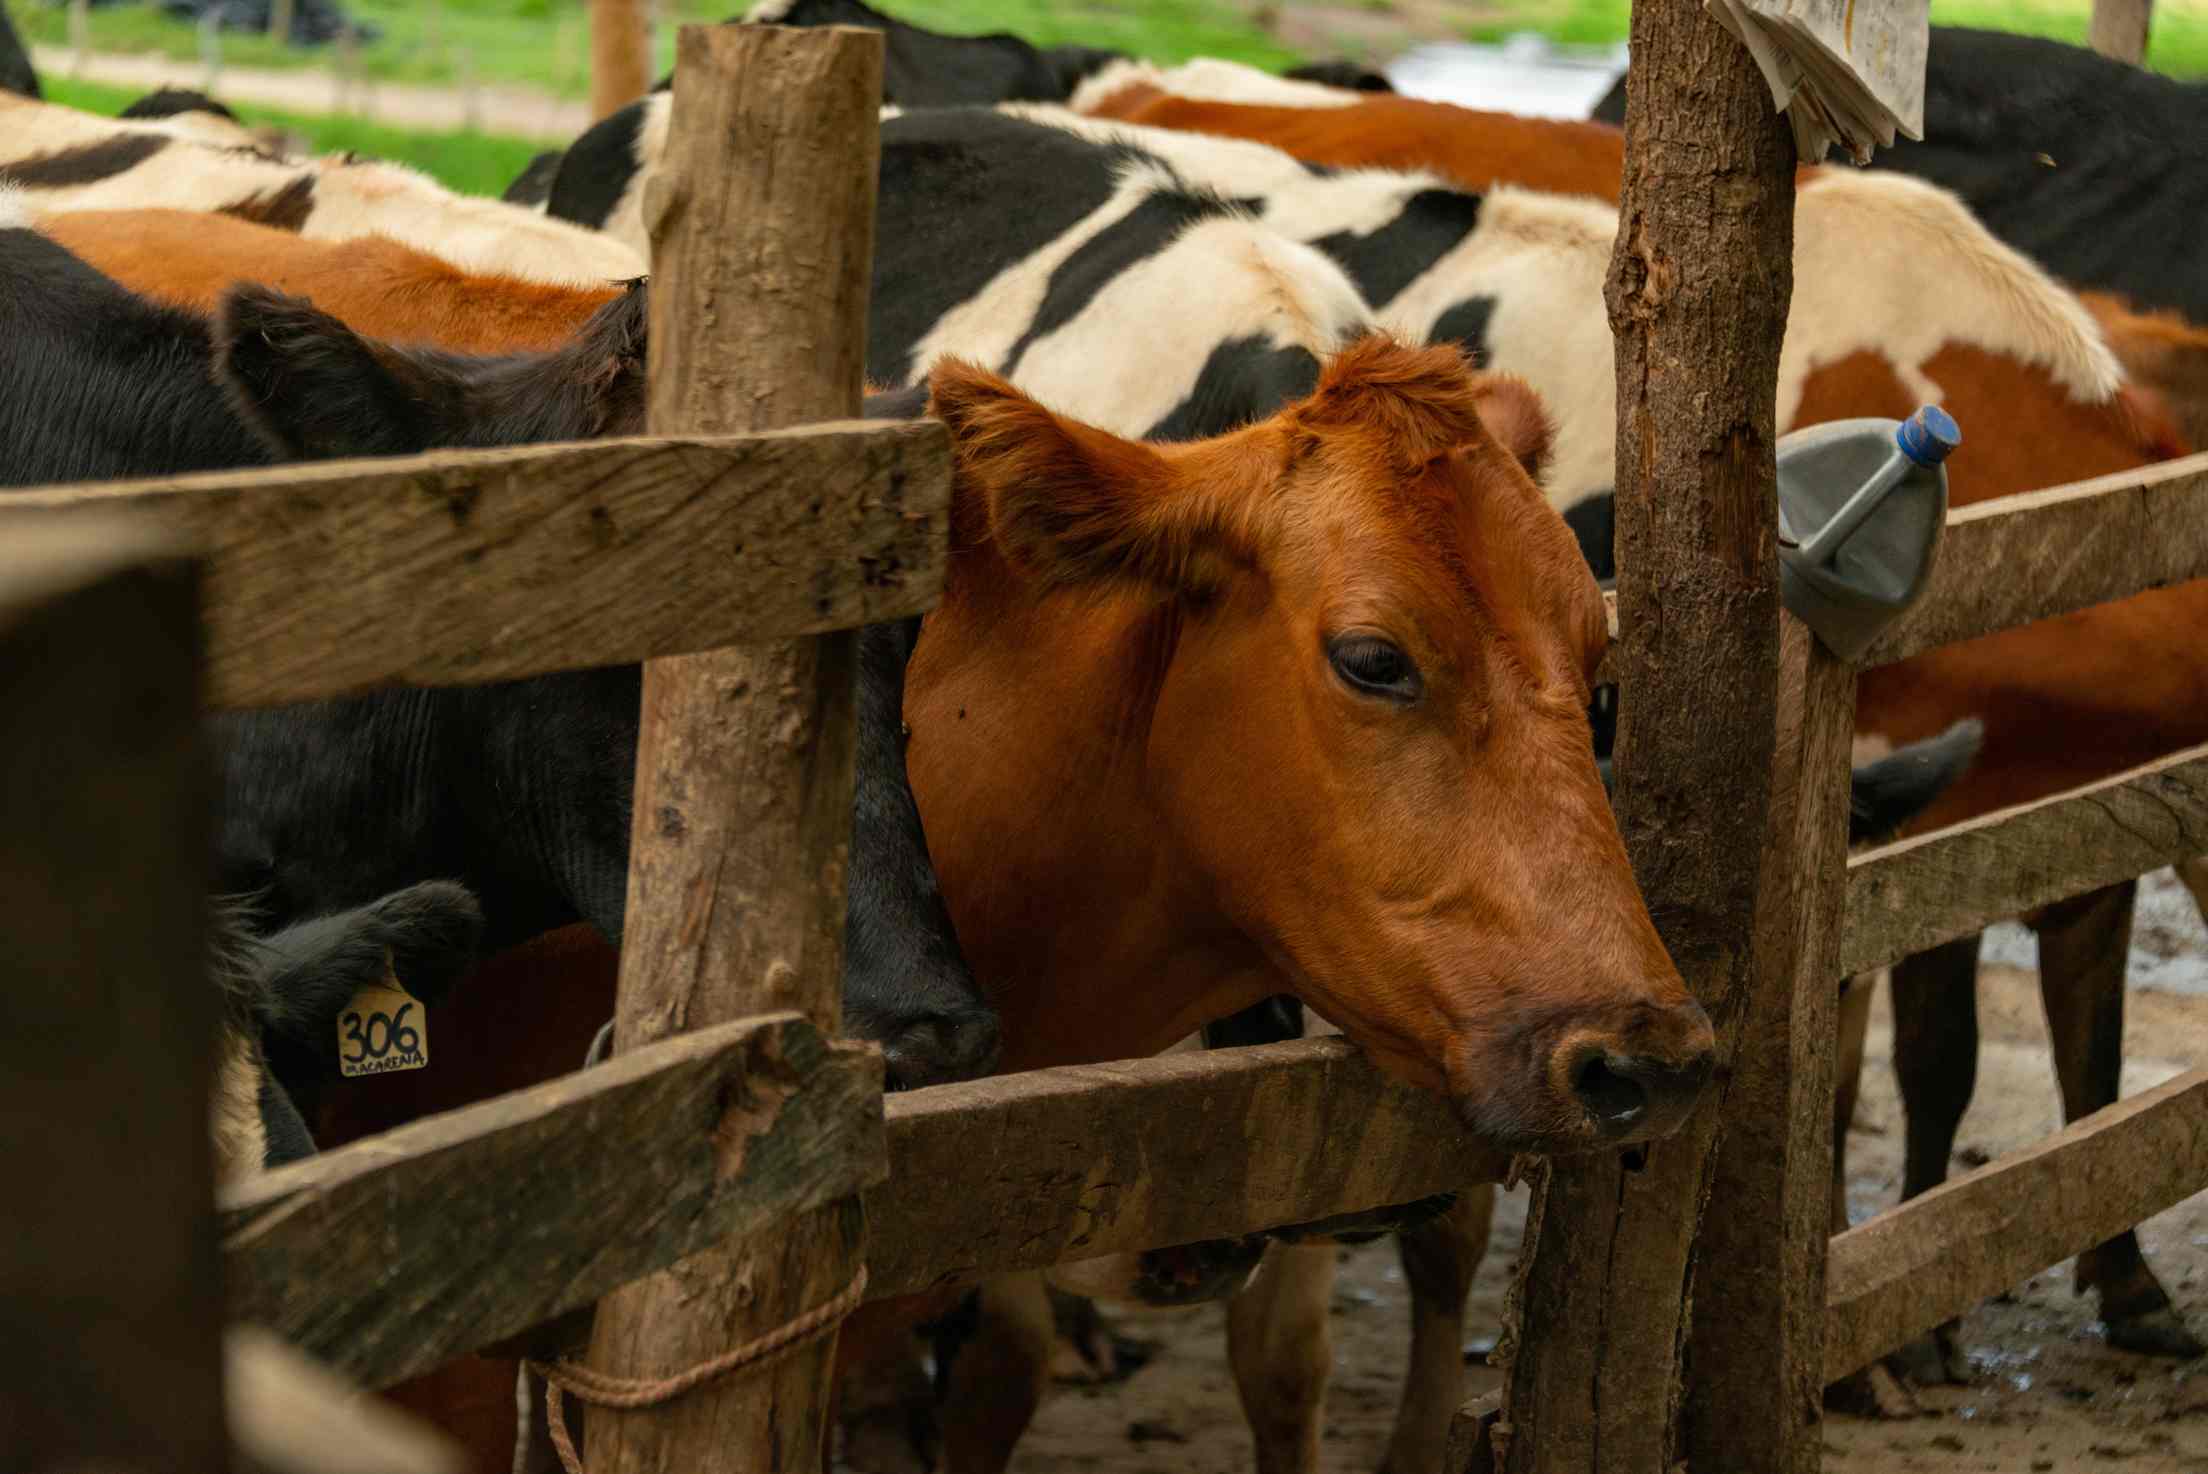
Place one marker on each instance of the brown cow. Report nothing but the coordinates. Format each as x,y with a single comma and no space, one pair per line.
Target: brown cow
2059,707
372,284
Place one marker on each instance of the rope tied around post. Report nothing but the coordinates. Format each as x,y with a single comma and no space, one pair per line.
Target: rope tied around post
631,1393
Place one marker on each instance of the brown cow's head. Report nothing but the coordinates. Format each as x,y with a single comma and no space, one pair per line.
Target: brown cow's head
1362,729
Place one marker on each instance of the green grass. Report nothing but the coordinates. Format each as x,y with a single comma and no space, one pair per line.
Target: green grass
546,43
476,163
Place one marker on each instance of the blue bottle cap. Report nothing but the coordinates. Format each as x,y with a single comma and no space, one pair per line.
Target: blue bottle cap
1929,436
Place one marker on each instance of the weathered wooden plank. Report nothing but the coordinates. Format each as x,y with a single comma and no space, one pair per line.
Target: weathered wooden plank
462,567
1943,1252
110,1300
389,1256
744,761
2031,557
1919,892
1029,1170
291,1415
1697,292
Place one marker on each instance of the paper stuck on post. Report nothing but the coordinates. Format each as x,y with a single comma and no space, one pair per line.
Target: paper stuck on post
1846,72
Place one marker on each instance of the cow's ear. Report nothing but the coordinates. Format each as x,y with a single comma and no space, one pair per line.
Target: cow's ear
1067,503
1516,417
316,390
425,937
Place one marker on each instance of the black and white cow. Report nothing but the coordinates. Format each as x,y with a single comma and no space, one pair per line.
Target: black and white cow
2096,169
519,790
281,997
929,69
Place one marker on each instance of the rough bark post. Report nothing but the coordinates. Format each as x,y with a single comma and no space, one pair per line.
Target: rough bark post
1697,291
620,54
110,1284
2120,29
763,237
280,13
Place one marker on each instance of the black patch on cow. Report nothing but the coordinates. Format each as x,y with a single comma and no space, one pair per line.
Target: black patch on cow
283,208
1466,326
1610,108
1353,75
598,168
17,75
1430,225
87,163
928,69
1143,231
533,185
317,390
943,174
1277,1018
284,1135
97,383
1594,521
1244,379
171,101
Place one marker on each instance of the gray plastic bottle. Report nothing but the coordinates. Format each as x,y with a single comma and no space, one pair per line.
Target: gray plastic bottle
1861,507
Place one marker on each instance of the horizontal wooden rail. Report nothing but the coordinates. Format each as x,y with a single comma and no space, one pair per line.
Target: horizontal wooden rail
469,566
2031,557
1939,1254
392,1255
1917,893
1024,1171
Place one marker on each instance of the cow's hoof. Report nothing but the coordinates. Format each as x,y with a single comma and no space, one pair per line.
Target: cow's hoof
1934,1358
1874,1392
2154,1333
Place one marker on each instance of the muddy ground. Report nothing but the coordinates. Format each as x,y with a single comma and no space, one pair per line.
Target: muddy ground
2051,1394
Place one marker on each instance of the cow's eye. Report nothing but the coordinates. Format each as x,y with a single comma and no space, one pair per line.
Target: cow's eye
1375,666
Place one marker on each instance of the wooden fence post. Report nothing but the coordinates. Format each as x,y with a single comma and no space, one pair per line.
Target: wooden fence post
762,240
1698,291
2120,29
620,54
110,1284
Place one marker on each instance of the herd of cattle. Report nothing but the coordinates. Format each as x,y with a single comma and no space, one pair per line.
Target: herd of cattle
1282,418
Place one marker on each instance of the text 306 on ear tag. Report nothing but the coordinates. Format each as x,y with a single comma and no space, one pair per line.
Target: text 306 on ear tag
384,1028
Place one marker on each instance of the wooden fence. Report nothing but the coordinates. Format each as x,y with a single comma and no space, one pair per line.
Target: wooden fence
757,1137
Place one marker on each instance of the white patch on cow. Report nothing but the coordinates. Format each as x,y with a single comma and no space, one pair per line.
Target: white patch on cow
15,208
767,12
626,224
350,199
234,1110
1892,264
473,233
888,112
1209,79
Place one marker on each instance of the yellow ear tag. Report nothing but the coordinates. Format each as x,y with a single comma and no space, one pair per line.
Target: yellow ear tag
384,1028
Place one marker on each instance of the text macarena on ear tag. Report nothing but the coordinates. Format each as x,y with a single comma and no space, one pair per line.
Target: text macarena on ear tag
384,1028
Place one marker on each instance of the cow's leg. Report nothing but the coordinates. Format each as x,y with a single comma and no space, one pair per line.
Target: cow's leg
2083,947
2194,873
1935,996
999,1376
1847,1082
1874,1391
1277,1342
1440,1258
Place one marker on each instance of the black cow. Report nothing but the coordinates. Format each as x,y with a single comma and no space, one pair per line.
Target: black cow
929,69
282,996
519,790
17,75
2094,168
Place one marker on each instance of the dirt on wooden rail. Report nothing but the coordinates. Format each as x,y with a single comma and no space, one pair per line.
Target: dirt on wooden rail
2051,1395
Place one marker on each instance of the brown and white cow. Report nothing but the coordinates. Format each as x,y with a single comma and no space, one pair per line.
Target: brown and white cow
63,159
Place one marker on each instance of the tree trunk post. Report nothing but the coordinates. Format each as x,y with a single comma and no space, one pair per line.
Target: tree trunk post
1698,290
620,54
110,1280
2120,29
762,237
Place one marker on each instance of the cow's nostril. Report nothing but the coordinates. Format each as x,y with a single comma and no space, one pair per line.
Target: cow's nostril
1616,1100
938,1050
